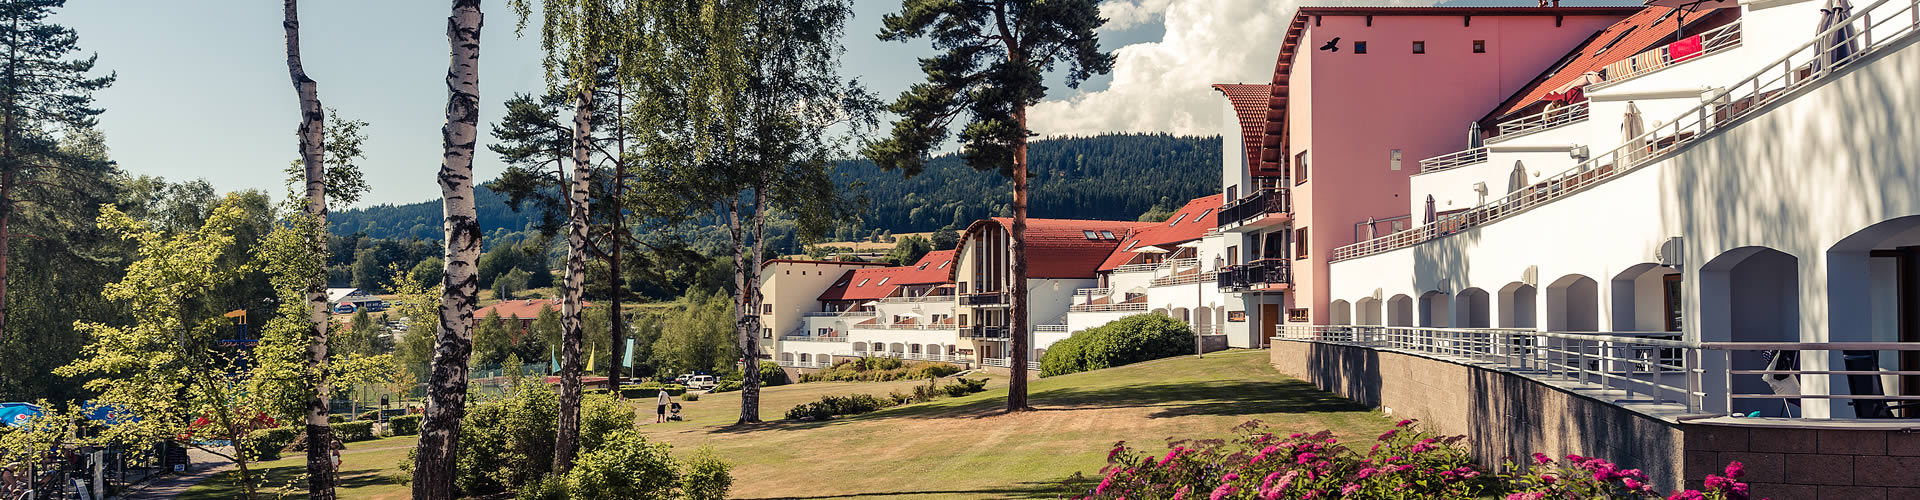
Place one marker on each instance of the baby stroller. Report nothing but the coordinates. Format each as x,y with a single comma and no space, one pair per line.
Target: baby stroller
673,414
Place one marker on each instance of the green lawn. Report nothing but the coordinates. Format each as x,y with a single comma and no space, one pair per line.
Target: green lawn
367,470
952,448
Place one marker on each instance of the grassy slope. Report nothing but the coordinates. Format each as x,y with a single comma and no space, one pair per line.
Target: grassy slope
956,448
966,448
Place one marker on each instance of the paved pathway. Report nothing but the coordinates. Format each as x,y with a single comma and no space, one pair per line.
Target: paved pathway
205,465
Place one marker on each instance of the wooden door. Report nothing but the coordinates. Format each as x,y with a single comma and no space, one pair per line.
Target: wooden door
1269,324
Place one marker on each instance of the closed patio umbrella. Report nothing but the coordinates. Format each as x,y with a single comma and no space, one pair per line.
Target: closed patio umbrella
1473,136
1838,46
1631,129
1518,179
1430,212
1371,233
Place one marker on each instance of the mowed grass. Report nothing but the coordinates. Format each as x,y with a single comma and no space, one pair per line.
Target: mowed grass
368,469
969,448
948,448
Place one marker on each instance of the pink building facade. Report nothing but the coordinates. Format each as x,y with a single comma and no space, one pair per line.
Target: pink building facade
1358,97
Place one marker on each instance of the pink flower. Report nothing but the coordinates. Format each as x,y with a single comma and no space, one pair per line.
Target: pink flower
1306,458
1170,454
1349,489
1716,483
1104,483
1527,496
1631,484
1365,473
1332,440
1547,479
1286,480
1422,448
1688,495
1221,492
1181,493
1229,477
1389,434
1735,470
1541,458
1267,484
1404,423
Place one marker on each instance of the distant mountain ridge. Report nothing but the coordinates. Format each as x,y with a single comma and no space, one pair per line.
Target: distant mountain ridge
1112,176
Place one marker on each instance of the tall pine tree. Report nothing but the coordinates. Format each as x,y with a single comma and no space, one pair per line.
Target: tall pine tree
996,53
41,87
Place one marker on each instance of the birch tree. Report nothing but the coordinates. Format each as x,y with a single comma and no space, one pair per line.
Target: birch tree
995,55
435,457
743,113
320,473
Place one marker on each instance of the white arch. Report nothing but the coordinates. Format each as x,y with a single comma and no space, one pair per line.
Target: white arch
1435,309
1368,311
1517,304
1470,308
1341,313
1400,311
1573,304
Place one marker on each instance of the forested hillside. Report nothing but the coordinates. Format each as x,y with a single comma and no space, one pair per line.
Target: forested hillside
1102,177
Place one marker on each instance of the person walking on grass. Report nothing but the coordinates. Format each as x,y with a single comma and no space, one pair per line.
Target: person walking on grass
660,408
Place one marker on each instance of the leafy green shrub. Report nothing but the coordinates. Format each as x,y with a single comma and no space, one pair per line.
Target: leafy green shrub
628,467
335,419
879,370
1131,339
507,443
705,477
368,415
932,370
268,443
771,374
600,417
548,488
727,386
830,406
691,396
404,425
650,389
348,432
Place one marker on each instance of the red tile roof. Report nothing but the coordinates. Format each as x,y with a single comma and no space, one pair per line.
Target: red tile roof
874,283
1250,106
1059,248
1191,222
1646,29
763,265
526,309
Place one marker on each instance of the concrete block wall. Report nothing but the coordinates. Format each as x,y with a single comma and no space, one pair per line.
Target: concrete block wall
1791,464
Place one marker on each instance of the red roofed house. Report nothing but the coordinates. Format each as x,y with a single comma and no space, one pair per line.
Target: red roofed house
1167,268
790,292
522,312
1064,256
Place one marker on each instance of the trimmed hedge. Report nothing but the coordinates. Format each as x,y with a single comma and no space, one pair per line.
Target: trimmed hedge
404,425
354,431
880,370
268,443
727,386
771,374
651,389
1132,339
830,406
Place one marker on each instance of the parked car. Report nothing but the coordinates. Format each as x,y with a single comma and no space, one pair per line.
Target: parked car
374,305
682,379
702,382
344,308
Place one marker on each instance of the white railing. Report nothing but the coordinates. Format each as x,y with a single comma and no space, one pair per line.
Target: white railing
1123,306
1545,120
1000,362
1184,279
1093,292
1208,330
908,326
1811,350
842,314
1165,264
1711,42
1050,328
813,338
1647,370
1801,67
923,298
1455,159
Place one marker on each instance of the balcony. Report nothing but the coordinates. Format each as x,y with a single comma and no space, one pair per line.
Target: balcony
1268,274
1263,208
985,299
841,314
1711,42
812,338
1453,160
1548,119
920,299
984,332
1117,307
1188,278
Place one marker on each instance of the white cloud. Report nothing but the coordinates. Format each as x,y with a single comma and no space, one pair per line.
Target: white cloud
1164,86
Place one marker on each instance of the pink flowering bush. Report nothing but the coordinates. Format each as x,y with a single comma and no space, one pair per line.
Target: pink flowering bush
1402,463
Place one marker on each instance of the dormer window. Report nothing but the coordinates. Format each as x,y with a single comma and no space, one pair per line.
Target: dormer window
943,265
1176,220
1106,235
863,281
1090,234
922,267
1133,244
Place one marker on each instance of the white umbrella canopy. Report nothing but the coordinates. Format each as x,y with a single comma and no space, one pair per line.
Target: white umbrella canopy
1473,136
1518,179
1631,128
1150,249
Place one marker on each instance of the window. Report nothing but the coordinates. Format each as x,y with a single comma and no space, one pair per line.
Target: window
1419,47
1233,255
1300,168
1090,234
943,264
1360,47
824,332
963,320
1133,244
1176,220
1399,225
766,308
1479,46
1393,160
1107,235
766,333
863,281
1203,215
883,281
1297,315
922,267
1300,243
1616,39
1233,193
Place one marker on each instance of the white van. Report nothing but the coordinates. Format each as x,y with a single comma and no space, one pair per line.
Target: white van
701,382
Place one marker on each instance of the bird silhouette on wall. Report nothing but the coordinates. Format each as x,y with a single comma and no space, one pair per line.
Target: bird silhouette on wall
1332,45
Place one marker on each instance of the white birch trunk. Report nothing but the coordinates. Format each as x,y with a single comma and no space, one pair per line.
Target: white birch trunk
320,473
453,339
567,433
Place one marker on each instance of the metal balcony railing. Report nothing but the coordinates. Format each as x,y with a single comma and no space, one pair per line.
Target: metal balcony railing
841,314
923,298
1259,272
984,299
1123,306
1870,29
812,338
1711,42
1184,279
1050,328
1453,160
985,332
1265,201
1545,120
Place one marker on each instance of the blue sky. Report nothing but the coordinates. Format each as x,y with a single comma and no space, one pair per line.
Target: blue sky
204,92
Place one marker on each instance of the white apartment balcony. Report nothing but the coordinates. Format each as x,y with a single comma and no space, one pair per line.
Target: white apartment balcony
1261,209
1546,120
1111,307
1712,42
1005,362
985,299
920,299
801,337
841,314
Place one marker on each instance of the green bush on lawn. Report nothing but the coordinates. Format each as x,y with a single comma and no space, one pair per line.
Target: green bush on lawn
404,425
349,432
1128,340
650,389
880,370
268,443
